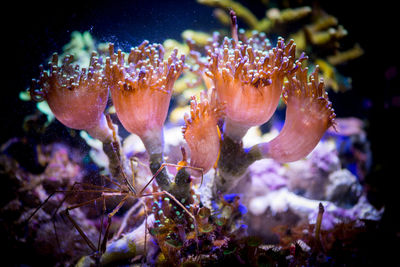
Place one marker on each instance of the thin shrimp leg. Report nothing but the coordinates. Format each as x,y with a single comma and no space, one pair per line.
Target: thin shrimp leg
68,192
77,227
100,248
110,215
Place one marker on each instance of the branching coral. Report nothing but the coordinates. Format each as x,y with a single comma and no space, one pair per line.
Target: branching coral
274,17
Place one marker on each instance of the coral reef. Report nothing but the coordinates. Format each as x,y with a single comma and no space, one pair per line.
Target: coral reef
203,188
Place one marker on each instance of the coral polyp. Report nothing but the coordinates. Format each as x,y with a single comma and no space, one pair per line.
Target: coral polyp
77,96
248,75
308,115
201,131
141,87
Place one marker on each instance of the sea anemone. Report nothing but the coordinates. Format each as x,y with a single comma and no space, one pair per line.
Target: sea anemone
77,96
141,87
308,115
201,131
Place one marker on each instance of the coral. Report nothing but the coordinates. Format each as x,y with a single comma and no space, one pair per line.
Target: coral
202,133
144,83
138,200
308,112
76,96
240,10
248,77
291,193
141,90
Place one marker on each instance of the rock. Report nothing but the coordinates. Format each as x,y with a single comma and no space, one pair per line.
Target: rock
343,189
